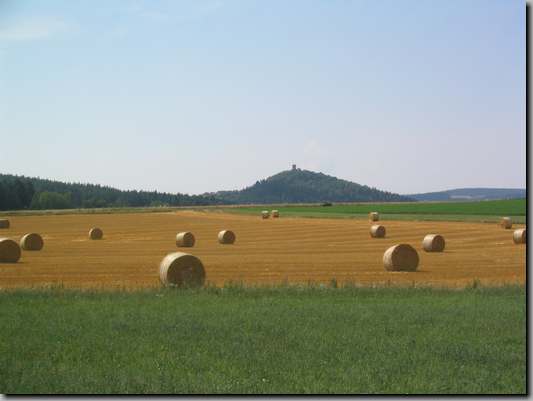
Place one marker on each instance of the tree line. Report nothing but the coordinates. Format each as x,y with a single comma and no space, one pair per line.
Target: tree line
294,186
19,192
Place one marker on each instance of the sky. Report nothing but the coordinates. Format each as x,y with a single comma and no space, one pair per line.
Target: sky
198,96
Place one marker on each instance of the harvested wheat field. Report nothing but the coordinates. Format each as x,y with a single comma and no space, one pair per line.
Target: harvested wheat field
294,250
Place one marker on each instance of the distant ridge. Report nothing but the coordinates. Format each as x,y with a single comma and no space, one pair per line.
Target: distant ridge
290,186
304,186
462,194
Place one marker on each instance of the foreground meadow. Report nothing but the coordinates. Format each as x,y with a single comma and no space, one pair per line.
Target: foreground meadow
278,340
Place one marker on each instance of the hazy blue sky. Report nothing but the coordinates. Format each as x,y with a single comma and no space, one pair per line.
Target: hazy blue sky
194,96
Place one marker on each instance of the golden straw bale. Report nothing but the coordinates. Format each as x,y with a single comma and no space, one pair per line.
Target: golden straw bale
373,216
519,236
182,270
32,242
377,231
401,257
226,237
506,222
95,233
9,251
433,243
185,239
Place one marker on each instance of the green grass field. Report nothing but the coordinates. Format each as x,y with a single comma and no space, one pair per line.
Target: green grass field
460,211
488,211
264,340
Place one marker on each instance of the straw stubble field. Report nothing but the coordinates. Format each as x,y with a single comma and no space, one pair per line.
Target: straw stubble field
293,250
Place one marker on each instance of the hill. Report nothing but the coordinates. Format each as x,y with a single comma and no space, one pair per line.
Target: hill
462,194
304,186
20,192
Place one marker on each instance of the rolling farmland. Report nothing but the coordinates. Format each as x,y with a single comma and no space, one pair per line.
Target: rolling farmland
285,250
430,211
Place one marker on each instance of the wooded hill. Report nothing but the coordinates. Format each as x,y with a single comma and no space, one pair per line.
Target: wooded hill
292,186
304,186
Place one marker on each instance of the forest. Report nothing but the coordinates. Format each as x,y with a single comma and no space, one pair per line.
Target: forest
19,192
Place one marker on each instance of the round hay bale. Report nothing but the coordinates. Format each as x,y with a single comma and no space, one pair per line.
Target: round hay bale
9,251
182,270
185,238
275,213
4,223
401,257
265,214
373,216
433,243
506,222
377,231
95,233
226,237
32,242
519,236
